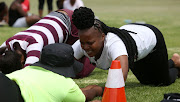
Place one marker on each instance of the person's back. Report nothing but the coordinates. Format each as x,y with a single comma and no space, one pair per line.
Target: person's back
40,85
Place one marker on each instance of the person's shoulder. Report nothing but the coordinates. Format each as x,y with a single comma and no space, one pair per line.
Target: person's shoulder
111,35
112,38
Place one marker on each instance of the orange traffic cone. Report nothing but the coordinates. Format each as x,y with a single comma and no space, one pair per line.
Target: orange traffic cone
114,89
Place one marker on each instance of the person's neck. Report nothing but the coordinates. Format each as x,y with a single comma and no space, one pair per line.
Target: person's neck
72,2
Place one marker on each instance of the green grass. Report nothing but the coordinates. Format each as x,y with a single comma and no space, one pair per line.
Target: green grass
164,14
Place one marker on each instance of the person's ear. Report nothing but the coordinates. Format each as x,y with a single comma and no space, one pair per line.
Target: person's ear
103,36
22,59
22,56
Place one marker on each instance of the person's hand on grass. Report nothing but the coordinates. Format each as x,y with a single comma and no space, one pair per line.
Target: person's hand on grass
96,101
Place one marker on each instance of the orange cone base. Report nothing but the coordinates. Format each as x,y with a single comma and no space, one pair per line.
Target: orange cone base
114,95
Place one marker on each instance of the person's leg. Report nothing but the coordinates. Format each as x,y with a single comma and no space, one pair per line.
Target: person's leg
172,70
40,7
9,91
92,91
59,4
50,7
87,68
26,21
154,68
175,60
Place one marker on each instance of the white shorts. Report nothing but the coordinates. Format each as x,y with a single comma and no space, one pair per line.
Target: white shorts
20,22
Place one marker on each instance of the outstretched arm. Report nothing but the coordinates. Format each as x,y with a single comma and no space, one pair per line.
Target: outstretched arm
33,53
92,91
124,65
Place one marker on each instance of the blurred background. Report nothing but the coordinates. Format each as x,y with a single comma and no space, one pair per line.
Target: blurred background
164,14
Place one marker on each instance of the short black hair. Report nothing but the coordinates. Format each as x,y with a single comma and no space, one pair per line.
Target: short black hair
10,61
83,18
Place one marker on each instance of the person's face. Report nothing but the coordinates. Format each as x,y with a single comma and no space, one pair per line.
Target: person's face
92,41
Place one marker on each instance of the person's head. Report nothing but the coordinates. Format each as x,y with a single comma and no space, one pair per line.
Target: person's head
58,58
9,61
92,34
91,31
12,60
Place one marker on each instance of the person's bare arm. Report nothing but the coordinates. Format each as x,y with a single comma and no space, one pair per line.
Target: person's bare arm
20,9
124,65
92,91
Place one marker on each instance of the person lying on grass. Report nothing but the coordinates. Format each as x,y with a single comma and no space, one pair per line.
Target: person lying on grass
18,17
139,47
48,80
56,27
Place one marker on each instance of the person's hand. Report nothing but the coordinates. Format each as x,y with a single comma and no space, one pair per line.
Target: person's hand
96,101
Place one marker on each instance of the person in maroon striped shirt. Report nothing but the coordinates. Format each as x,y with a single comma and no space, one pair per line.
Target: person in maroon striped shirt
56,27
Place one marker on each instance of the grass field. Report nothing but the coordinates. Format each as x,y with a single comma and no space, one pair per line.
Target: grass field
164,14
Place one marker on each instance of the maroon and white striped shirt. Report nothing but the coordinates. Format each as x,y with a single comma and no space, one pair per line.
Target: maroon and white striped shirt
53,28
